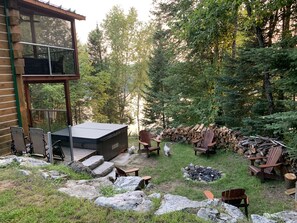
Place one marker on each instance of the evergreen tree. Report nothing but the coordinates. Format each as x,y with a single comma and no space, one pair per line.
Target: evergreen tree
155,94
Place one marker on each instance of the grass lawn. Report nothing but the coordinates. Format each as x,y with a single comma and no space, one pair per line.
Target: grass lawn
33,199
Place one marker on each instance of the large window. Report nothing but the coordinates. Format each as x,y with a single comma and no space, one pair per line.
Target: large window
47,45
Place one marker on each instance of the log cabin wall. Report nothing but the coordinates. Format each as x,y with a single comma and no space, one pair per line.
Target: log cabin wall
8,109
13,111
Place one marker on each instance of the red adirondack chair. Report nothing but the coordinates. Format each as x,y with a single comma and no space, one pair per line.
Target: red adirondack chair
206,145
235,197
267,170
145,140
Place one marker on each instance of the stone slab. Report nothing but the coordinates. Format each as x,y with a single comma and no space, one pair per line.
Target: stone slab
102,170
93,161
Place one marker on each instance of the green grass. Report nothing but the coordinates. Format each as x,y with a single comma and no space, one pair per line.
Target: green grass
266,197
34,199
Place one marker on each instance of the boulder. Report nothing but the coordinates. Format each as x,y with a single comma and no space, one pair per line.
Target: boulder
7,160
260,219
129,201
78,167
31,162
172,203
129,183
88,189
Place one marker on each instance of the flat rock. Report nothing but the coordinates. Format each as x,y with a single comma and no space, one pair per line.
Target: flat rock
88,189
129,183
172,203
284,216
7,160
31,162
260,219
129,201
52,174
25,172
102,170
93,161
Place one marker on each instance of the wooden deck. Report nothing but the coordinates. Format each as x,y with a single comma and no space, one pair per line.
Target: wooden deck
78,154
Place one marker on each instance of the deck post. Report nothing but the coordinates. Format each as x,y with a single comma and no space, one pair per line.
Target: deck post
71,142
50,147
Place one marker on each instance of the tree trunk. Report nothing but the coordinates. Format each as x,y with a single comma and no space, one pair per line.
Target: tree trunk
268,93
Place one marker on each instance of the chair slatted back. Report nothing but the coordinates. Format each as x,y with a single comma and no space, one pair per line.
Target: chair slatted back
233,196
38,141
208,138
145,136
273,156
18,138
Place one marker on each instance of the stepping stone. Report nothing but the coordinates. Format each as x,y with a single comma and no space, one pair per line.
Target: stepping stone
93,162
104,169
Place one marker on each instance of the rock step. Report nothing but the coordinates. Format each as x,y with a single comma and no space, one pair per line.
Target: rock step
93,161
102,170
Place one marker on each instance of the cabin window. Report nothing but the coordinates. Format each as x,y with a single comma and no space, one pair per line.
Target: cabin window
47,45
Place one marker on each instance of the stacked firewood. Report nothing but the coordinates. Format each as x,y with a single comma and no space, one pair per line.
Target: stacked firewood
225,139
256,145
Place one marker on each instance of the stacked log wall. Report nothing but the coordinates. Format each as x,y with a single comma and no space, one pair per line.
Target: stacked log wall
8,110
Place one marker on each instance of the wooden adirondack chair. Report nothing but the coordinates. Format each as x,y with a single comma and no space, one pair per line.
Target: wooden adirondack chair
123,173
145,140
206,145
39,145
235,197
267,170
19,142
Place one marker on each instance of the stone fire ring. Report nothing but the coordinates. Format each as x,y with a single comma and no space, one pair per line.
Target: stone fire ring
198,173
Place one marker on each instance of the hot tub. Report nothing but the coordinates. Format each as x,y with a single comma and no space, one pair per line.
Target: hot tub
108,140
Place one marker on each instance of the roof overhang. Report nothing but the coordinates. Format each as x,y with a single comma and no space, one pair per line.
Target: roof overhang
46,7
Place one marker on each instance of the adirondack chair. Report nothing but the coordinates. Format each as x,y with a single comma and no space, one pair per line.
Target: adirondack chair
206,145
267,170
39,145
145,140
235,197
19,142
123,173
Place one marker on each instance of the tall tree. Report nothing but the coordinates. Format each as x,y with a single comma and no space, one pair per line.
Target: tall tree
154,110
120,33
97,50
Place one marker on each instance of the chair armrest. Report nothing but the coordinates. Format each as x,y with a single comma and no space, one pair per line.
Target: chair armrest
211,144
133,170
264,166
208,194
156,140
57,143
195,141
257,158
143,143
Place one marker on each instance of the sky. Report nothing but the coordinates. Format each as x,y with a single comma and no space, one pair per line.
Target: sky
96,10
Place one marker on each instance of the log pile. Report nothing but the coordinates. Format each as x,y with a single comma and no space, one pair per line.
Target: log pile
225,139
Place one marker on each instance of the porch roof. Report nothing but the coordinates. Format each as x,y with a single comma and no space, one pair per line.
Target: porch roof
47,7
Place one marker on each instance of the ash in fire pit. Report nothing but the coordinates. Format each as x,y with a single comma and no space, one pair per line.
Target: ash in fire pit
201,173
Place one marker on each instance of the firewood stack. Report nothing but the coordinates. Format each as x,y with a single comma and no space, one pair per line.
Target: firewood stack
256,145
225,139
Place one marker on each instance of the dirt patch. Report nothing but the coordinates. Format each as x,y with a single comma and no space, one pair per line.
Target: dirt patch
141,160
6,184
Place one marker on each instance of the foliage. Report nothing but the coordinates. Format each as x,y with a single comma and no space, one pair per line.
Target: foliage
233,61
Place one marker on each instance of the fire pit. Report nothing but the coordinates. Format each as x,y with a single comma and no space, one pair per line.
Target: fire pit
201,173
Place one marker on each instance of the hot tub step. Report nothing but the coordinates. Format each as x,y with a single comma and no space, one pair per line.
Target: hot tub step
93,161
104,169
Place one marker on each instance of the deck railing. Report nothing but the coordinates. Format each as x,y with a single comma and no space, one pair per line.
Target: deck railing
43,59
